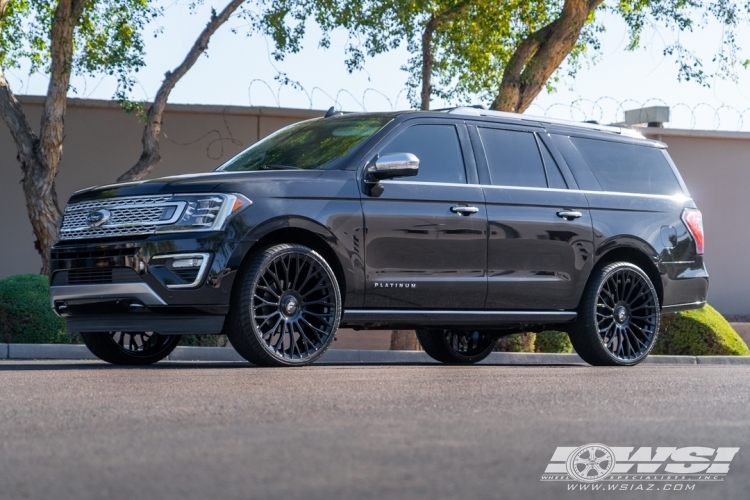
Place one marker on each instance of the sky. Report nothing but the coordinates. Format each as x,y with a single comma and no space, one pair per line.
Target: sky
239,70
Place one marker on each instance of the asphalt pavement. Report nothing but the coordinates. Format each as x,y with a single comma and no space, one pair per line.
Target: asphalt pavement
86,430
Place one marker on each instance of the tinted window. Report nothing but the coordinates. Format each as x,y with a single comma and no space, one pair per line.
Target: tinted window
628,168
513,158
438,150
554,176
319,143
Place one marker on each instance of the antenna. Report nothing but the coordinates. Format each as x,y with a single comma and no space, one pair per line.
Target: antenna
332,112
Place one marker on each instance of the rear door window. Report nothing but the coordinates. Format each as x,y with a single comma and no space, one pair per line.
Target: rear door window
513,158
438,150
628,168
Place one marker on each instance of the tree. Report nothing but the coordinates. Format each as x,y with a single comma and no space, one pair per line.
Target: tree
507,52
88,37
152,129
273,22
62,38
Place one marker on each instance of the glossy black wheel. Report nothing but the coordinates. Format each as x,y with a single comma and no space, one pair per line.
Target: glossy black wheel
619,317
130,348
287,308
456,346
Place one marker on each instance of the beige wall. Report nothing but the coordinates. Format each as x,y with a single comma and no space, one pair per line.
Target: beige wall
102,142
716,169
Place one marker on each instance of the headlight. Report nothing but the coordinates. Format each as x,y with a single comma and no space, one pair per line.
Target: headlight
205,212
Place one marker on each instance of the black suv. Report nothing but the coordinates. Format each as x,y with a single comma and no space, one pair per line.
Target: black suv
465,224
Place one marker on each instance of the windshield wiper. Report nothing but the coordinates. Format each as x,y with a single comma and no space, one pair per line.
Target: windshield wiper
279,167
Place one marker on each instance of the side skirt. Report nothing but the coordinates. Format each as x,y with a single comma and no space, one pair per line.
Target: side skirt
164,324
404,318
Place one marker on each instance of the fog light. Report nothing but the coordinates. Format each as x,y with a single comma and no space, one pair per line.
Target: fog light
184,270
183,263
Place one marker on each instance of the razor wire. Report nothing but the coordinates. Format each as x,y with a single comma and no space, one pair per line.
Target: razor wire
605,109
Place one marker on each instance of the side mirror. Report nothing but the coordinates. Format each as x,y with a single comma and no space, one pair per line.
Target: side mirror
394,165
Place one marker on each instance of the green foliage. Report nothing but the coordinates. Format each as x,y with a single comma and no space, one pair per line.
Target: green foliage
700,332
519,342
548,341
472,50
205,340
108,37
552,341
25,313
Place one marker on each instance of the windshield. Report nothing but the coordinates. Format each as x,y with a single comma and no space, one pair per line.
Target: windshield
315,144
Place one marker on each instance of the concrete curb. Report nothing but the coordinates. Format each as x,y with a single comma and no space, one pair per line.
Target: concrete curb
350,356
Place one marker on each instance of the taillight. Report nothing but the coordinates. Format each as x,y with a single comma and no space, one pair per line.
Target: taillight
693,219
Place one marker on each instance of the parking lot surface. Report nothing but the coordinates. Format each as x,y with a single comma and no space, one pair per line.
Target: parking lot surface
86,430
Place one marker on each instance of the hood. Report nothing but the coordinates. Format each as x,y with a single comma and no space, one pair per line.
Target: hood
191,183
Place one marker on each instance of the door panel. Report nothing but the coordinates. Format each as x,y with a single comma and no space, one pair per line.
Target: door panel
536,259
426,236
420,254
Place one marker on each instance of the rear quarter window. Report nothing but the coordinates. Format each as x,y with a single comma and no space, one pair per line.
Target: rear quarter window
628,168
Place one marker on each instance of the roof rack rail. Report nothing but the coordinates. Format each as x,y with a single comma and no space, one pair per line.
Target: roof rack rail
475,111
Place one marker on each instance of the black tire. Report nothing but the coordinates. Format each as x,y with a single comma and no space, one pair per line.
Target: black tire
286,307
124,348
456,346
618,318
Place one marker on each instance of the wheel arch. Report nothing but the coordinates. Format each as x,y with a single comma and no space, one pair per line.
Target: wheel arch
637,255
305,232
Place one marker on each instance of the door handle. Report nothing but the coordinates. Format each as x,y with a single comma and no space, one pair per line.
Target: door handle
569,214
463,210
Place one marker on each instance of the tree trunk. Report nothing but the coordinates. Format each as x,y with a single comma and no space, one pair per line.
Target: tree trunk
427,63
152,130
539,55
404,340
40,156
435,22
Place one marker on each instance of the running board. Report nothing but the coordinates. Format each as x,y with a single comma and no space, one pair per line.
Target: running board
453,318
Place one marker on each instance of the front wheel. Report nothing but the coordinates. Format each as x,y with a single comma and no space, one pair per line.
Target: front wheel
618,319
130,348
456,346
286,307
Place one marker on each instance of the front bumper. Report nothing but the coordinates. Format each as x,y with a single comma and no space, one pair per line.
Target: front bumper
121,285
140,293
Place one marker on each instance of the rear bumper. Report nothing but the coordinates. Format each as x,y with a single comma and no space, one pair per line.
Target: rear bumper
685,286
682,307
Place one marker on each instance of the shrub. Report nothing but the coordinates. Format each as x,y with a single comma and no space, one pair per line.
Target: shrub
518,342
552,341
700,332
205,340
25,313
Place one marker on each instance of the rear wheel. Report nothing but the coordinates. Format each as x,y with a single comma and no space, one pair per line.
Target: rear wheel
130,348
618,319
286,308
456,346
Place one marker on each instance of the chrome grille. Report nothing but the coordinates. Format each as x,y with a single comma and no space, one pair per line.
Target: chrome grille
127,217
108,202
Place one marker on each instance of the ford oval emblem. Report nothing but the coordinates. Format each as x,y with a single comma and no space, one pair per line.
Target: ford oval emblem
97,218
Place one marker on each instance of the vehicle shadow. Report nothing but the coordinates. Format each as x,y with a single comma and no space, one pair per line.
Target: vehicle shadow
65,365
